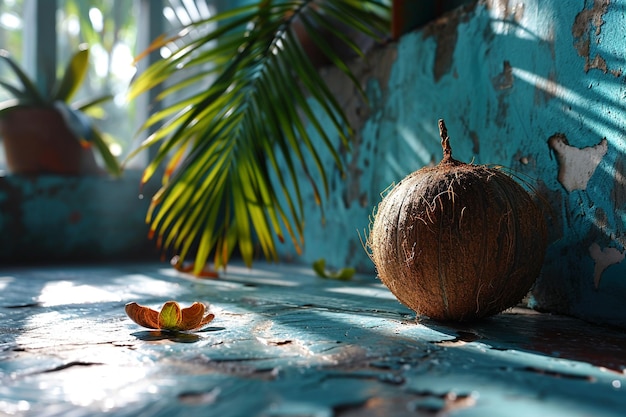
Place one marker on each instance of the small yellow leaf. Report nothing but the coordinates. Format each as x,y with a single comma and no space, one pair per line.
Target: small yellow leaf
344,274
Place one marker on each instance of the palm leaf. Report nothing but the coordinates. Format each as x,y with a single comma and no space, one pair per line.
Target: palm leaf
13,90
29,89
160,71
73,76
110,161
84,130
236,151
89,103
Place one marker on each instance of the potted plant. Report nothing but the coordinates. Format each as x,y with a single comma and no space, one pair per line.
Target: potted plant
235,149
44,132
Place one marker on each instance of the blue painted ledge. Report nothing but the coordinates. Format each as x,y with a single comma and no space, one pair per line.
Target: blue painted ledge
285,343
73,219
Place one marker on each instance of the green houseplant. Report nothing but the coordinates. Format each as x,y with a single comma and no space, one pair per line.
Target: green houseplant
44,131
235,150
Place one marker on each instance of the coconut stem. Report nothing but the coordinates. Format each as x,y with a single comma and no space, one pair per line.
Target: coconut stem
445,141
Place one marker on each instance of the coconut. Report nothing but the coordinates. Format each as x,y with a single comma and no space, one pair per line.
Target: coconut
457,241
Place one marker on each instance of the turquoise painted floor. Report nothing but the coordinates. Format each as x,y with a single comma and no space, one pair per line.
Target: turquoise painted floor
285,343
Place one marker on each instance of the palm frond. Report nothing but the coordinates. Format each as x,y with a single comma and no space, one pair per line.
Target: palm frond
236,152
29,89
110,161
73,76
86,104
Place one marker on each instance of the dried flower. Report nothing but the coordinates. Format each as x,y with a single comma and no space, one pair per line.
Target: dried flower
171,316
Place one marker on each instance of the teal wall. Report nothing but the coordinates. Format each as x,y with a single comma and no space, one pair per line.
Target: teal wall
538,86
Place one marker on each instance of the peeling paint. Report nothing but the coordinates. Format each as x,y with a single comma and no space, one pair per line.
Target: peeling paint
504,80
475,142
601,222
444,30
603,259
618,197
376,69
584,33
547,90
618,194
590,17
576,166
446,37
502,83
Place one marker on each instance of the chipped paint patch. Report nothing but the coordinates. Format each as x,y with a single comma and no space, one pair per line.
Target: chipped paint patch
586,29
504,80
373,73
546,89
603,259
618,198
502,83
445,32
576,166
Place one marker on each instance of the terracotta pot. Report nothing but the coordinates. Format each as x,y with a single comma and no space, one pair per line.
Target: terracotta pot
37,141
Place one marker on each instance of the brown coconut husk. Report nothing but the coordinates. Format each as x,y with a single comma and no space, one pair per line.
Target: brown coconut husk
458,242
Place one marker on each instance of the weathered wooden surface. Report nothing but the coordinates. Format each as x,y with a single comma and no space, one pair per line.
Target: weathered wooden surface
285,343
